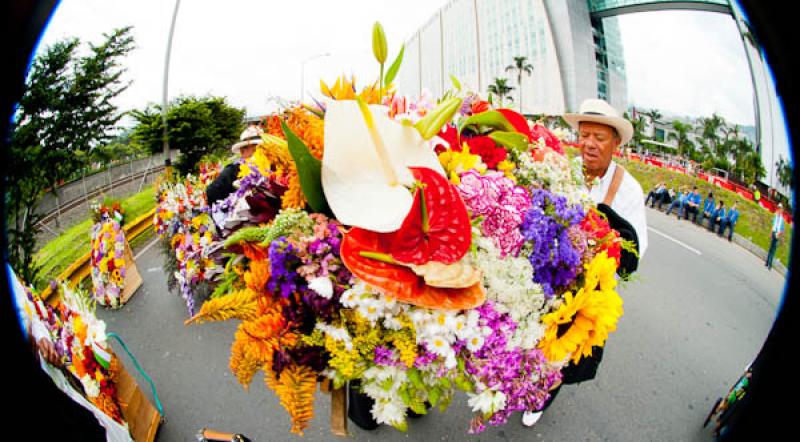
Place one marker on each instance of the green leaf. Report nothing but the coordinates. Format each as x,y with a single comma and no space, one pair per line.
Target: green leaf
402,426
309,169
456,83
432,123
434,394
418,406
395,67
415,378
514,140
445,402
445,383
492,119
404,395
387,384
463,384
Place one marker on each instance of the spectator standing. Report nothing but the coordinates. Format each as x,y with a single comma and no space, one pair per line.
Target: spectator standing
708,208
775,234
729,222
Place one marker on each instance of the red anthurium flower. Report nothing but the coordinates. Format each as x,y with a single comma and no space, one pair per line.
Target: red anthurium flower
479,106
366,254
550,140
437,228
518,121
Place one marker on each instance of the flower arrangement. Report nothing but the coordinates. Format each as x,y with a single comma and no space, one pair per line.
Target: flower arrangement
80,340
416,248
107,210
182,222
108,257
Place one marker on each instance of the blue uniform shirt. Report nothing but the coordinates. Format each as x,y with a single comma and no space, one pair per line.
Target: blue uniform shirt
732,216
709,205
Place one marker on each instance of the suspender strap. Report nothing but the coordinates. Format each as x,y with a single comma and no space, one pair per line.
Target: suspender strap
616,181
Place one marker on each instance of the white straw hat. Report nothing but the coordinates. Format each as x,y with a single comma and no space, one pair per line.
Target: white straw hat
598,111
251,135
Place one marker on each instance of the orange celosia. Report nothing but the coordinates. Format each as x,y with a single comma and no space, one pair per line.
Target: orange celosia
309,128
295,388
257,275
293,198
273,124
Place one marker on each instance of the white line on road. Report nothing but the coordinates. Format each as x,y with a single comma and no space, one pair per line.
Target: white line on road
679,242
147,247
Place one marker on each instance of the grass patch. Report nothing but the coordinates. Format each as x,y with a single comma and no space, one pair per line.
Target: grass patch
754,222
62,251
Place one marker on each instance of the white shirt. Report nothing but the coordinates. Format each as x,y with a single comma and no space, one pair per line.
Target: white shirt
628,203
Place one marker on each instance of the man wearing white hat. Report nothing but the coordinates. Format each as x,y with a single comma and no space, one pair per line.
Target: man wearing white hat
601,131
222,186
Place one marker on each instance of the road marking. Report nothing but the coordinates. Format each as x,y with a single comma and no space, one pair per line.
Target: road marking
146,248
154,269
679,242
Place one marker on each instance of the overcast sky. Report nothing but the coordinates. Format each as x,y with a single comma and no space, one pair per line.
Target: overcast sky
685,63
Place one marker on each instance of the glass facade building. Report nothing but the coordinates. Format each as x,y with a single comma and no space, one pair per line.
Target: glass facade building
573,58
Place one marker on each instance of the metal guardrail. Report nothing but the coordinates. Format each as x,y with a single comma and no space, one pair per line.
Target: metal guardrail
82,267
66,207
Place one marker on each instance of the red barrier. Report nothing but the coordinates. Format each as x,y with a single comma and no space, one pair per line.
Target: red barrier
718,181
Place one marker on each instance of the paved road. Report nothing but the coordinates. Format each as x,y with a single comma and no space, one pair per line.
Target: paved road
694,319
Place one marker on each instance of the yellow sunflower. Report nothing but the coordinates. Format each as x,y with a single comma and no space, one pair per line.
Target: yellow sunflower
585,319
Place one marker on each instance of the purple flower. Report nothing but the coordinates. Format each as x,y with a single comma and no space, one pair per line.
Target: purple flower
554,257
523,376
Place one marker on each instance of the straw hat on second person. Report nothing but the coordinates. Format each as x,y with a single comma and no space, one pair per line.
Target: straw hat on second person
598,111
251,135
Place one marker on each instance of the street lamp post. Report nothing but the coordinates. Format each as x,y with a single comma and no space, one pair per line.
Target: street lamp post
302,72
165,90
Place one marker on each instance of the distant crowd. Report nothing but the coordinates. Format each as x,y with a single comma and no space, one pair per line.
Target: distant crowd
687,204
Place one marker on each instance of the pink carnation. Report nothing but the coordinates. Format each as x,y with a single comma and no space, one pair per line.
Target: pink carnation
501,203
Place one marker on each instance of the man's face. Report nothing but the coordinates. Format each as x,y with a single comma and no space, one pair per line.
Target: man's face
247,151
598,143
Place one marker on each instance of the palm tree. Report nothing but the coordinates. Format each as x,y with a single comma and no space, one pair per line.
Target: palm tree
638,129
500,88
681,135
785,176
520,65
710,128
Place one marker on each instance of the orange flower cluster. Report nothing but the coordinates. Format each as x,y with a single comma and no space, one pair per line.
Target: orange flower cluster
309,128
257,339
295,389
273,125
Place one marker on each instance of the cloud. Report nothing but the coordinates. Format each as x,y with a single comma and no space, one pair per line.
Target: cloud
687,63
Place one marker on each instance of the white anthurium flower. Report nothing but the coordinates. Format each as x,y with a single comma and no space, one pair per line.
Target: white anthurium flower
322,285
365,173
